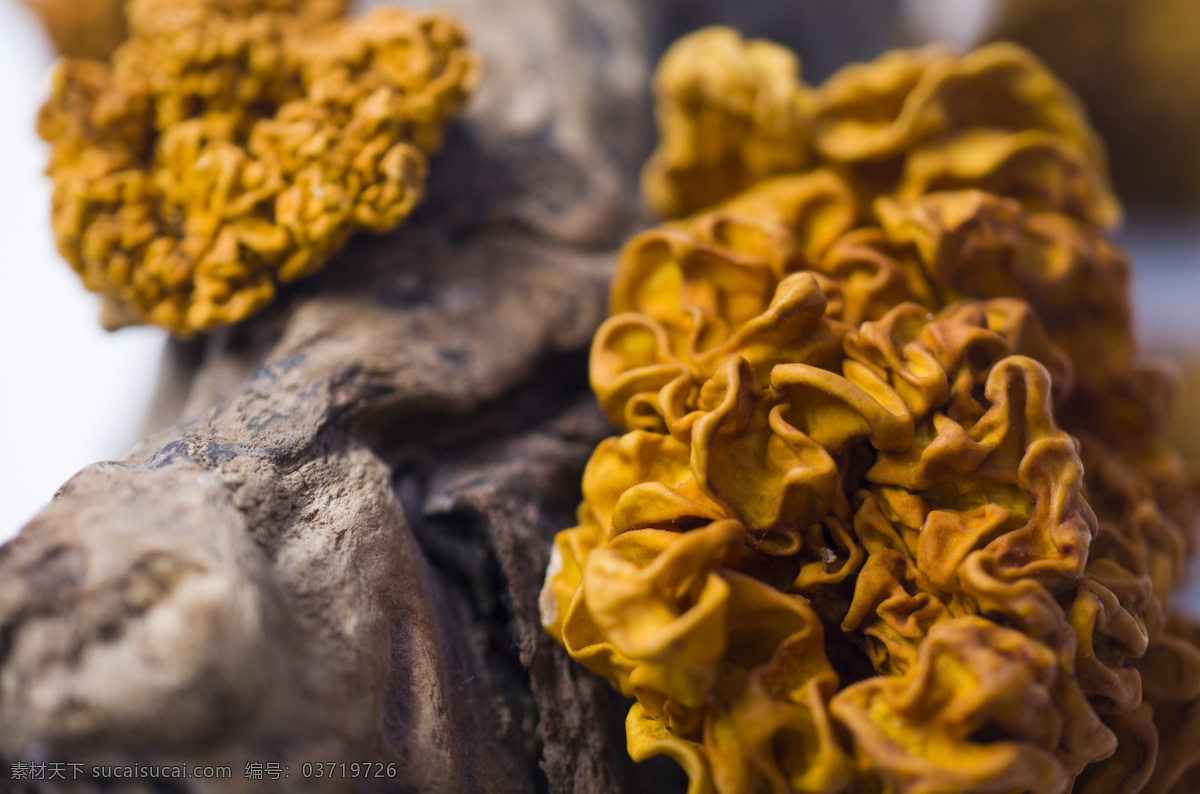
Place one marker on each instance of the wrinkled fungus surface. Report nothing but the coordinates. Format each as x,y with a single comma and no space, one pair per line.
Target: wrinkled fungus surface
232,146
890,512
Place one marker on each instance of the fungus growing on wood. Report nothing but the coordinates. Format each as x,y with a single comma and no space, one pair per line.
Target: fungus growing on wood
889,511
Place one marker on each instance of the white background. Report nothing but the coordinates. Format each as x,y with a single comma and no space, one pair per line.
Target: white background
70,393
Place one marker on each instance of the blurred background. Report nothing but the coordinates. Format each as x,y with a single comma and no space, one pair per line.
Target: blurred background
72,394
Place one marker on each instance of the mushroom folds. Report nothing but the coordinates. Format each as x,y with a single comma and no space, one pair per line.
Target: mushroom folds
234,146
889,511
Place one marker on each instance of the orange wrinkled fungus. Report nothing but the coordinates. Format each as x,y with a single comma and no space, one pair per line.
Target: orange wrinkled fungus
890,512
234,146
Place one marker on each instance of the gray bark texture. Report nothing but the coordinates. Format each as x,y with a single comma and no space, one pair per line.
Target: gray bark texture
333,552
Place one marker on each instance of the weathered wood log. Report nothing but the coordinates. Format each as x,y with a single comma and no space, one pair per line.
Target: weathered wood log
335,552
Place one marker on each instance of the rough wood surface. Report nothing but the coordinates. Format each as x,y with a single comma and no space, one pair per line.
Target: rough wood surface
334,553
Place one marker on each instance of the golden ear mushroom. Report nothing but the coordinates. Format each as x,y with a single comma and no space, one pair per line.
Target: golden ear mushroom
978,711
731,112
231,148
891,513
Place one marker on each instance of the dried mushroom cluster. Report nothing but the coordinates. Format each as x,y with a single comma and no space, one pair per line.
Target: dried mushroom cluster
889,513
233,145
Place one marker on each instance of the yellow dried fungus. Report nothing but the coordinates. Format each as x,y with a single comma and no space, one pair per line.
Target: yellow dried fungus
730,113
912,122
234,146
889,512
